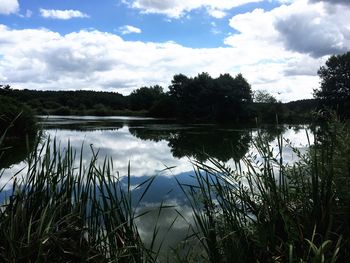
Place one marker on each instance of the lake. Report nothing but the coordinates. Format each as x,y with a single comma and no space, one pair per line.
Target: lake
161,148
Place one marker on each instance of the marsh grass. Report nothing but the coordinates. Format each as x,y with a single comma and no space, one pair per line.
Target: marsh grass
61,211
263,210
271,211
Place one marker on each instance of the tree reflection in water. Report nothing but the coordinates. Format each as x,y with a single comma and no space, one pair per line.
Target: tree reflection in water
15,150
200,142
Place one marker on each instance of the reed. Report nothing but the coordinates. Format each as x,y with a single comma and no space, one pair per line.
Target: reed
61,211
262,210
271,211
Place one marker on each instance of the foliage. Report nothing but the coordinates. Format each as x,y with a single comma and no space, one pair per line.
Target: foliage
144,98
266,108
221,99
335,78
69,102
15,118
203,97
167,107
299,111
335,84
262,96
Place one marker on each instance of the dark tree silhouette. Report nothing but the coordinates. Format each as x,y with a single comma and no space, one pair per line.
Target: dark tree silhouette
16,118
178,86
335,79
5,87
199,143
334,92
203,97
144,98
262,96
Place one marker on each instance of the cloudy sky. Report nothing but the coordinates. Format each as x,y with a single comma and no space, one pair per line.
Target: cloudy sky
120,45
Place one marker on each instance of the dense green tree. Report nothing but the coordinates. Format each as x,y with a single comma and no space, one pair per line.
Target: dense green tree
262,96
15,118
167,107
266,108
334,91
244,91
178,86
206,98
144,98
335,78
234,94
77,102
202,97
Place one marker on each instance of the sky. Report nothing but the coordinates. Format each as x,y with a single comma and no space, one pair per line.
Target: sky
122,45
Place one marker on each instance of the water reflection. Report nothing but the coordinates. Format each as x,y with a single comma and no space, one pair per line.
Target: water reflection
15,150
200,142
80,123
150,146
220,144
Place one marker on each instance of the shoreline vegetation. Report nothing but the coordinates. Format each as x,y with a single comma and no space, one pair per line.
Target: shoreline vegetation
16,119
195,99
205,99
92,103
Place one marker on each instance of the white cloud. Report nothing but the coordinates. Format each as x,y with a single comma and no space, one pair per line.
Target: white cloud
217,13
303,66
305,28
284,62
289,44
315,29
62,14
127,29
333,2
9,7
177,8
103,61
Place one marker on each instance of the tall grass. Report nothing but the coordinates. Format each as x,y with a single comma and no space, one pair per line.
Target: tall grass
263,210
271,211
58,211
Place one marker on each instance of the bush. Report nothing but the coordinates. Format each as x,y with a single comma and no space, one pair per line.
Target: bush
167,107
16,118
61,111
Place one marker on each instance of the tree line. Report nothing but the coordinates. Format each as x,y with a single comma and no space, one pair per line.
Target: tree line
202,97
225,98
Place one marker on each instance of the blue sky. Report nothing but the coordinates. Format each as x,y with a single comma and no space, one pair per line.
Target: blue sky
195,28
277,45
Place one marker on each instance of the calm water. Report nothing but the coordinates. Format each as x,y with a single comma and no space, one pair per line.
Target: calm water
151,146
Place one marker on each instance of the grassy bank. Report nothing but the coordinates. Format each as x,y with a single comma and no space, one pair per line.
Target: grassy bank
263,210
203,103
